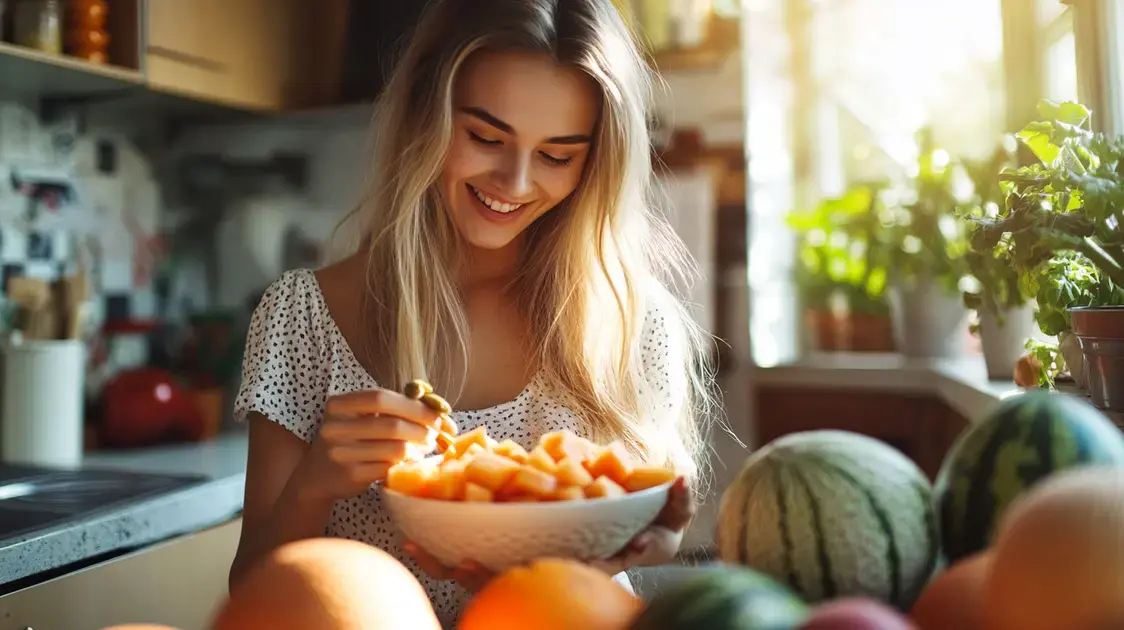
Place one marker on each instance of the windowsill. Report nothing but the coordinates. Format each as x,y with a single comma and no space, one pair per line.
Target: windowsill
962,383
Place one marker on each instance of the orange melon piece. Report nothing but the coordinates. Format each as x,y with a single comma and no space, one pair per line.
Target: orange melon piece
477,494
449,485
644,477
613,461
604,488
511,450
563,444
571,473
541,459
490,470
534,482
478,435
411,478
569,493
473,450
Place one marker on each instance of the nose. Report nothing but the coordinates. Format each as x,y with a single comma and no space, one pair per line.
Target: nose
515,176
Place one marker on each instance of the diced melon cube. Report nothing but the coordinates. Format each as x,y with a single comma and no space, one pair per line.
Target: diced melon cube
411,478
542,460
490,470
522,498
604,488
449,485
473,450
613,462
532,481
563,444
571,473
478,435
644,477
511,450
477,494
569,493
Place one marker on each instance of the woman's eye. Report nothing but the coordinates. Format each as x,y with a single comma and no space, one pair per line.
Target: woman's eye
483,140
557,161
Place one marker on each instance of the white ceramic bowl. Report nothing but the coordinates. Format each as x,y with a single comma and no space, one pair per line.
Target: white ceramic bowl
503,535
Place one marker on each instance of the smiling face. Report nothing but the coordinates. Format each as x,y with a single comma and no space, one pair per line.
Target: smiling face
521,135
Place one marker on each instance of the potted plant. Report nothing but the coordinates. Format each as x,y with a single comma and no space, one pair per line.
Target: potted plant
1064,218
923,242
1002,303
841,287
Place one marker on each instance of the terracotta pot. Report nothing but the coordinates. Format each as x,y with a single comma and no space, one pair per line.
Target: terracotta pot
1100,334
871,333
851,333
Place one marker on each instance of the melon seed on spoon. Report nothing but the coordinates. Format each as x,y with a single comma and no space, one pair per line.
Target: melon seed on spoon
423,391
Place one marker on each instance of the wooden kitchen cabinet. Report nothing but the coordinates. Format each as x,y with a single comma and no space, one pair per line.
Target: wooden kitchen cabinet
179,583
262,55
920,425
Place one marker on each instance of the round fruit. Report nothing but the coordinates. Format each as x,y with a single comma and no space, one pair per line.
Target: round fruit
856,613
551,594
832,514
328,584
727,597
1059,557
1024,440
954,598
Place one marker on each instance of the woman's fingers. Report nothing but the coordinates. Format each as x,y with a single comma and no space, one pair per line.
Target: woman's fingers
376,428
428,563
372,451
472,576
680,508
383,403
367,473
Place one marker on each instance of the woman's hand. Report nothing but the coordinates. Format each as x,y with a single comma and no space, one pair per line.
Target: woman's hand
659,542
470,575
363,434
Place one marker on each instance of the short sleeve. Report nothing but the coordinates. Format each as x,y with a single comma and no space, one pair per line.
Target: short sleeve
666,364
284,376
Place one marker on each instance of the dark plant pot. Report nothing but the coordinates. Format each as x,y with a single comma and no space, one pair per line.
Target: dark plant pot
1100,334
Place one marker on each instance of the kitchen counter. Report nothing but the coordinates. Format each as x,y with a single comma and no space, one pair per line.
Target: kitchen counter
33,557
962,383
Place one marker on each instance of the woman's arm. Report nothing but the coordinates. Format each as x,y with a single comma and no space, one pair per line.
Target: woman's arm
274,511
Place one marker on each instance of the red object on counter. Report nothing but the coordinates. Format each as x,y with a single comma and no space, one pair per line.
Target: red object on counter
147,406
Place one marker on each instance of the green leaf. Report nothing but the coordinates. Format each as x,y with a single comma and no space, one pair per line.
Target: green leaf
1037,136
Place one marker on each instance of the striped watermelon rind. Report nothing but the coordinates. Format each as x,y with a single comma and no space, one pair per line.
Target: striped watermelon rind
1023,440
726,597
832,514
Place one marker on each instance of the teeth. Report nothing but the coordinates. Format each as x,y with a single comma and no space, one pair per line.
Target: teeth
497,206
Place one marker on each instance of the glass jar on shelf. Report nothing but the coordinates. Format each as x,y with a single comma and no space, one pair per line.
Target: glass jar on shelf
37,24
87,36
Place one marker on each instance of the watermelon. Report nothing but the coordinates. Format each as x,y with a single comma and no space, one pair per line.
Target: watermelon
1026,438
832,514
725,597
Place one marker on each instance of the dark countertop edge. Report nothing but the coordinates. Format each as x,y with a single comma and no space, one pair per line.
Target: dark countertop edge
178,513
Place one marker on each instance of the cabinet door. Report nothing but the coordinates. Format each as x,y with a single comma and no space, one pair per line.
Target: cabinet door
266,55
178,583
921,426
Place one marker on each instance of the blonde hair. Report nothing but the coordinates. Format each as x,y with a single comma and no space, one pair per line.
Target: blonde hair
593,268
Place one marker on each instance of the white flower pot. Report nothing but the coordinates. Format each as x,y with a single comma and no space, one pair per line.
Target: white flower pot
1004,343
929,323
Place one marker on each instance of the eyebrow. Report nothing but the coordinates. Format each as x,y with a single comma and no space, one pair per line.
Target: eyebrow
485,116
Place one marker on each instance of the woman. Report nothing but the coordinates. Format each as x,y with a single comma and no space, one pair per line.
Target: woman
507,254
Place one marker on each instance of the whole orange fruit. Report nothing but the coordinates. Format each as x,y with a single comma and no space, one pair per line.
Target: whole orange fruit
327,584
551,594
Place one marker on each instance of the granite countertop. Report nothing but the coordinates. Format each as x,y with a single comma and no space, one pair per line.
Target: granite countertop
962,383
56,551
44,554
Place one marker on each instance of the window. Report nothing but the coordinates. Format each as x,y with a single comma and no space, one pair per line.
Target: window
1059,51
